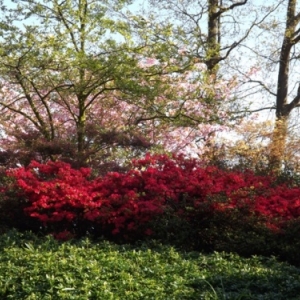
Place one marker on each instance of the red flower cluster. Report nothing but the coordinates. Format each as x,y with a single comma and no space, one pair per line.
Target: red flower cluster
58,193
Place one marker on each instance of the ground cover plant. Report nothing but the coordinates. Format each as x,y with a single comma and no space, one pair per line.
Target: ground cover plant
32,267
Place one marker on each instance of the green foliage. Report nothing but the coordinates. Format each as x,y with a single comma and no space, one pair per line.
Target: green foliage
288,242
229,231
35,268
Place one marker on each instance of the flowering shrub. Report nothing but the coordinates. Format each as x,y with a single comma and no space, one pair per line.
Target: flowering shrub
54,191
58,194
125,203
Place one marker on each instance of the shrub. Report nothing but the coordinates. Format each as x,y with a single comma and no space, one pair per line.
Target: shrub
42,268
174,199
12,206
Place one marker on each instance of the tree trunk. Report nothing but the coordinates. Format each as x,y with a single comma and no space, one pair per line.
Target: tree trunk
278,144
213,43
81,128
283,108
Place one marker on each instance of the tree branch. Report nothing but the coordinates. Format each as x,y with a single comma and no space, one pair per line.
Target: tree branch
231,7
295,103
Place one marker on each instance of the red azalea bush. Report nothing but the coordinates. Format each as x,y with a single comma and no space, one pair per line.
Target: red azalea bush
158,191
12,206
63,198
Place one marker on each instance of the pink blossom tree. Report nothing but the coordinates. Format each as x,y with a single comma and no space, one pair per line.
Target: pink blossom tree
66,94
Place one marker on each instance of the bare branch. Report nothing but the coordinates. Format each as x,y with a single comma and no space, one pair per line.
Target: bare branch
231,7
254,110
263,85
295,103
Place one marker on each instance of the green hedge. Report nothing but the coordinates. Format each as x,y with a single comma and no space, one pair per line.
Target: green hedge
42,268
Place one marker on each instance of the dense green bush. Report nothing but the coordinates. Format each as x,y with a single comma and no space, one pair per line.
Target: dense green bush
43,268
229,231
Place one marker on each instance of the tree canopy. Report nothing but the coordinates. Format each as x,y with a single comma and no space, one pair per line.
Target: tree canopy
96,81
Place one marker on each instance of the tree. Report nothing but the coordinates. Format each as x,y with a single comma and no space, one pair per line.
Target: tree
278,56
206,28
67,78
211,32
54,73
283,107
